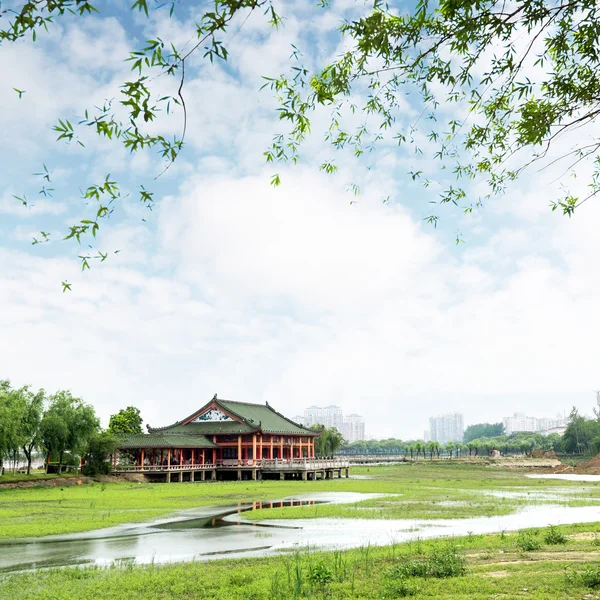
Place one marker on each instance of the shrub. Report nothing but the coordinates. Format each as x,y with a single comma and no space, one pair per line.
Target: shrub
554,537
528,543
320,574
589,577
400,587
444,561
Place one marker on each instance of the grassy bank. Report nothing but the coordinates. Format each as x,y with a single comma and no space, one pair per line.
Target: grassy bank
35,476
541,564
423,490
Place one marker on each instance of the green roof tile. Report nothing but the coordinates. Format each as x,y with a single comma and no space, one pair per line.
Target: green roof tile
254,417
264,417
165,440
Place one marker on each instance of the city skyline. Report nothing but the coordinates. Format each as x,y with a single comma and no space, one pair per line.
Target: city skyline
351,426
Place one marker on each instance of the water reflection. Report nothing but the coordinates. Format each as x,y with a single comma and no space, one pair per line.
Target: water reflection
213,532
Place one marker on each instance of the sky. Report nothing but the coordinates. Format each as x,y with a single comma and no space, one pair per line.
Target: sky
298,295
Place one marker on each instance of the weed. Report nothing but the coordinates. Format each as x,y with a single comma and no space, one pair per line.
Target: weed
320,575
527,542
589,577
400,587
554,537
444,561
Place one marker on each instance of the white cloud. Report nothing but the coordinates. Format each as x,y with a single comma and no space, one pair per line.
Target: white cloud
290,295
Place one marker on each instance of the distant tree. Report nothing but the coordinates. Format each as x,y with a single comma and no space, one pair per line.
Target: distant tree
580,434
68,425
30,426
11,413
430,446
55,434
97,456
127,420
450,448
329,442
482,430
420,446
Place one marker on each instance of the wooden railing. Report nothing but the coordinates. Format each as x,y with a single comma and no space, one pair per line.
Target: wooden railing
162,468
308,464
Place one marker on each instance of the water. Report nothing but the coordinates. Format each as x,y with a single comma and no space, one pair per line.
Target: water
220,531
566,477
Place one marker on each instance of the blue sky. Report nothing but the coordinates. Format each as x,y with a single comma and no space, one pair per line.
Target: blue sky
291,295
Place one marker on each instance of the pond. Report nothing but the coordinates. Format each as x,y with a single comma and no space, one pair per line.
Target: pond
220,531
565,477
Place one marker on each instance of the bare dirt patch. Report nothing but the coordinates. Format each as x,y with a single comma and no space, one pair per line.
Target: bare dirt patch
496,574
55,482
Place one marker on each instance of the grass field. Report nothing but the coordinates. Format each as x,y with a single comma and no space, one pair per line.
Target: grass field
423,490
551,563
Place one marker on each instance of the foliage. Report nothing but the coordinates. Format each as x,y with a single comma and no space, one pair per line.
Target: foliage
30,424
588,577
528,542
444,561
582,435
482,430
320,574
97,457
518,78
555,537
329,442
68,425
127,420
20,417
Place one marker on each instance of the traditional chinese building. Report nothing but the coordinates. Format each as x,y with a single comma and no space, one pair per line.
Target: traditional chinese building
226,439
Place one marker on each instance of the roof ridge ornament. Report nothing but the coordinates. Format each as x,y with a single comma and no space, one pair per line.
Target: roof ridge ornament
215,397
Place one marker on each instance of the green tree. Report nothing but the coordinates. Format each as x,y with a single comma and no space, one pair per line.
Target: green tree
68,424
482,430
30,426
329,442
127,420
580,433
12,410
97,456
450,446
54,433
510,106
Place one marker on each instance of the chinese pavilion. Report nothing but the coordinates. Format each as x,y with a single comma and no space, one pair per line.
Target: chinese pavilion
223,436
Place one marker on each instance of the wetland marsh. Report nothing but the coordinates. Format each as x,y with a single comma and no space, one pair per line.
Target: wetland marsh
386,511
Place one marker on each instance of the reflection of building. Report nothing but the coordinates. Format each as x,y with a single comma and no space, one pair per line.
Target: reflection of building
446,428
520,422
354,428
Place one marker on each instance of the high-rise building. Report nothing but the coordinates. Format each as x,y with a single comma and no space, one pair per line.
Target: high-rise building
446,428
329,416
521,422
354,428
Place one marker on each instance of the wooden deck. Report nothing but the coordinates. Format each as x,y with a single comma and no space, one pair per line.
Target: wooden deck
299,468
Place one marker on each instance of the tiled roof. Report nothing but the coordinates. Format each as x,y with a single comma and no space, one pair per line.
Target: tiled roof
254,417
165,440
263,417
